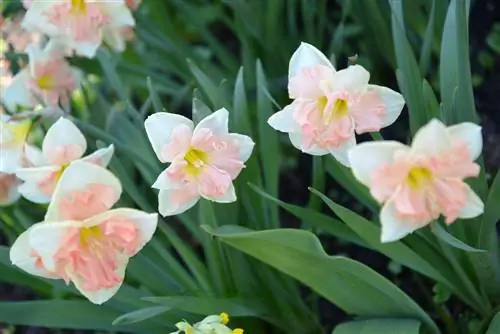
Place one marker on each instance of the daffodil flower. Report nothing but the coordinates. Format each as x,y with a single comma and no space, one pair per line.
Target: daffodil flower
417,184
330,106
13,136
79,23
63,144
49,79
204,160
213,324
82,240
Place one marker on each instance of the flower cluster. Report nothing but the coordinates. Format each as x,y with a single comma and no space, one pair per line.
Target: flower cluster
215,324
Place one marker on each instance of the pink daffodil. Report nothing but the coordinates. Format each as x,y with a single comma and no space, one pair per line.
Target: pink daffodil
330,106
79,23
13,136
82,239
417,184
62,145
204,160
49,79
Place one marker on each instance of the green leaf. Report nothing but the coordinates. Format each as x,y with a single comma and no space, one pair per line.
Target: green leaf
206,84
270,154
432,108
426,51
200,109
210,305
350,285
314,218
344,176
67,315
409,75
370,233
140,315
379,326
494,327
448,238
153,95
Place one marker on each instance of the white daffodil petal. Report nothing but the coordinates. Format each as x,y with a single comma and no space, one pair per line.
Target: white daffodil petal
296,140
101,157
393,227
78,177
217,122
306,55
431,138
470,134
365,158
283,120
354,79
228,197
473,207
172,202
21,255
393,102
159,128
16,94
63,133
341,153
245,145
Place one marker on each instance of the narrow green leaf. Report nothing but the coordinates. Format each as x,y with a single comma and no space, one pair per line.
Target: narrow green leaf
206,84
448,238
109,69
494,327
314,218
268,141
370,233
153,95
455,64
409,77
210,305
346,179
426,51
382,326
432,108
67,315
140,315
352,286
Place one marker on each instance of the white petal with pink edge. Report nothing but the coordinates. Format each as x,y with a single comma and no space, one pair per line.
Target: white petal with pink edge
146,223
341,153
470,134
120,15
365,158
101,157
34,155
172,202
430,139
102,295
159,128
394,227
63,142
217,122
306,55
283,120
21,255
354,79
393,101
245,145
297,140
38,181
228,196
98,186
46,240
473,207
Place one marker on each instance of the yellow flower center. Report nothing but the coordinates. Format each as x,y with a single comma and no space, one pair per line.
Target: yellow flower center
237,331
340,109
88,234
45,82
418,177
14,133
224,318
78,6
196,159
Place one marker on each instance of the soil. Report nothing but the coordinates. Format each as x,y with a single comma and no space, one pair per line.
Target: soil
483,15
